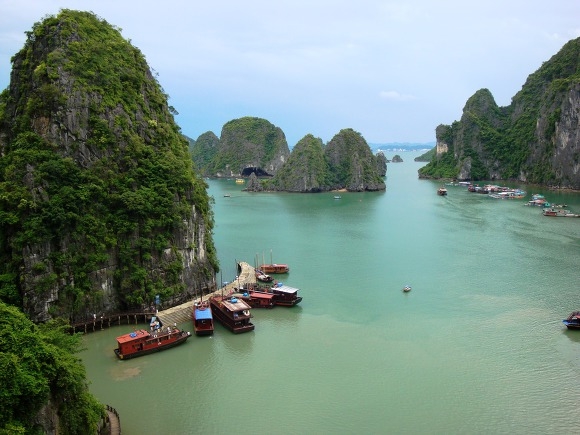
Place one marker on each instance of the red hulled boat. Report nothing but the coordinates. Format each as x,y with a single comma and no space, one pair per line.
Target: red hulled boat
142,342
202,317
274,268
258,299
232,312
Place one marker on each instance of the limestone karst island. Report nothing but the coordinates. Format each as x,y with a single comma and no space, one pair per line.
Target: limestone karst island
105,210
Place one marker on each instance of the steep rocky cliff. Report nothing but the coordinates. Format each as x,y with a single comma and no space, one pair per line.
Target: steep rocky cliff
305,171
203,152
99,204
246,145
352,163
346,162
535,139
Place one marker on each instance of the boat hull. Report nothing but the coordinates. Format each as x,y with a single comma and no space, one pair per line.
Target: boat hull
238,326
572,321
274,268
203,332
288,303
202,317
571,325
182,338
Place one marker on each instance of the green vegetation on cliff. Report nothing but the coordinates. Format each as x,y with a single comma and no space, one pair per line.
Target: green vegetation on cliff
346,162
203,151
38,369
244,142
306,169
534,139
95,176
352,164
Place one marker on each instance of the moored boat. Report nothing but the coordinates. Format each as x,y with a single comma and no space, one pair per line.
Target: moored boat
258,299
559,213
263,277
232,312
573,320
285,295
508,194
274,268
142,342
202,317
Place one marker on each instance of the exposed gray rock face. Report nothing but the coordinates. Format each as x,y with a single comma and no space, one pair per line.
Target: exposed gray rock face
254,184
346,162
381,164
536,139
203,151
249,145
133,220
352,164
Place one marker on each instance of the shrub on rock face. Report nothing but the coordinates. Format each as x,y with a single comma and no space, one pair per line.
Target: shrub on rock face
43,381
352,164
100,206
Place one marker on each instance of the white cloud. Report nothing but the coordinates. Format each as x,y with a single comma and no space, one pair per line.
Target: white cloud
315,66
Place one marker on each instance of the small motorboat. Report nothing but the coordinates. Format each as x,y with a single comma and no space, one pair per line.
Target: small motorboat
573,320
407,288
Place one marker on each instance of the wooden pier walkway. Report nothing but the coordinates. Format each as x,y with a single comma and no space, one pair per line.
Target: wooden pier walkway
182,313
177,314
113,420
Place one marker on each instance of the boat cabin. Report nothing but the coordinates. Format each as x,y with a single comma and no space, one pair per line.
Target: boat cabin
142,342
285,295
274,268
233,313
202,319
259,299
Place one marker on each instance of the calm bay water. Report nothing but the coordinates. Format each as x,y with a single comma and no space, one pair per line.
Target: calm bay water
476,347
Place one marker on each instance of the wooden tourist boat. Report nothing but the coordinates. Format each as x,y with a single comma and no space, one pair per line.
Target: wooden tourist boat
232,312
274,268
442,191
559,213
258,299
202,317
407,288
142,342
285,295
573,320
262,277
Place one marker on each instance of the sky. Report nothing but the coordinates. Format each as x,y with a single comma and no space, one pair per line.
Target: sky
391,70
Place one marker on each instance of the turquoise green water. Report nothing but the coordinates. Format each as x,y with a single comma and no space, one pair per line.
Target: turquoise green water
476,347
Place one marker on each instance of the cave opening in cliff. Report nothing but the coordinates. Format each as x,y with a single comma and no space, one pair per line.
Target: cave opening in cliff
253,169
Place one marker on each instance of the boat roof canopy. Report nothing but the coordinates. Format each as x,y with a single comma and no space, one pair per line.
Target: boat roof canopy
285,289
203,314
132,336
261,295
235,304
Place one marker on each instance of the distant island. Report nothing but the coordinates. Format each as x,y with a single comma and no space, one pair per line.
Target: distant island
402,146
